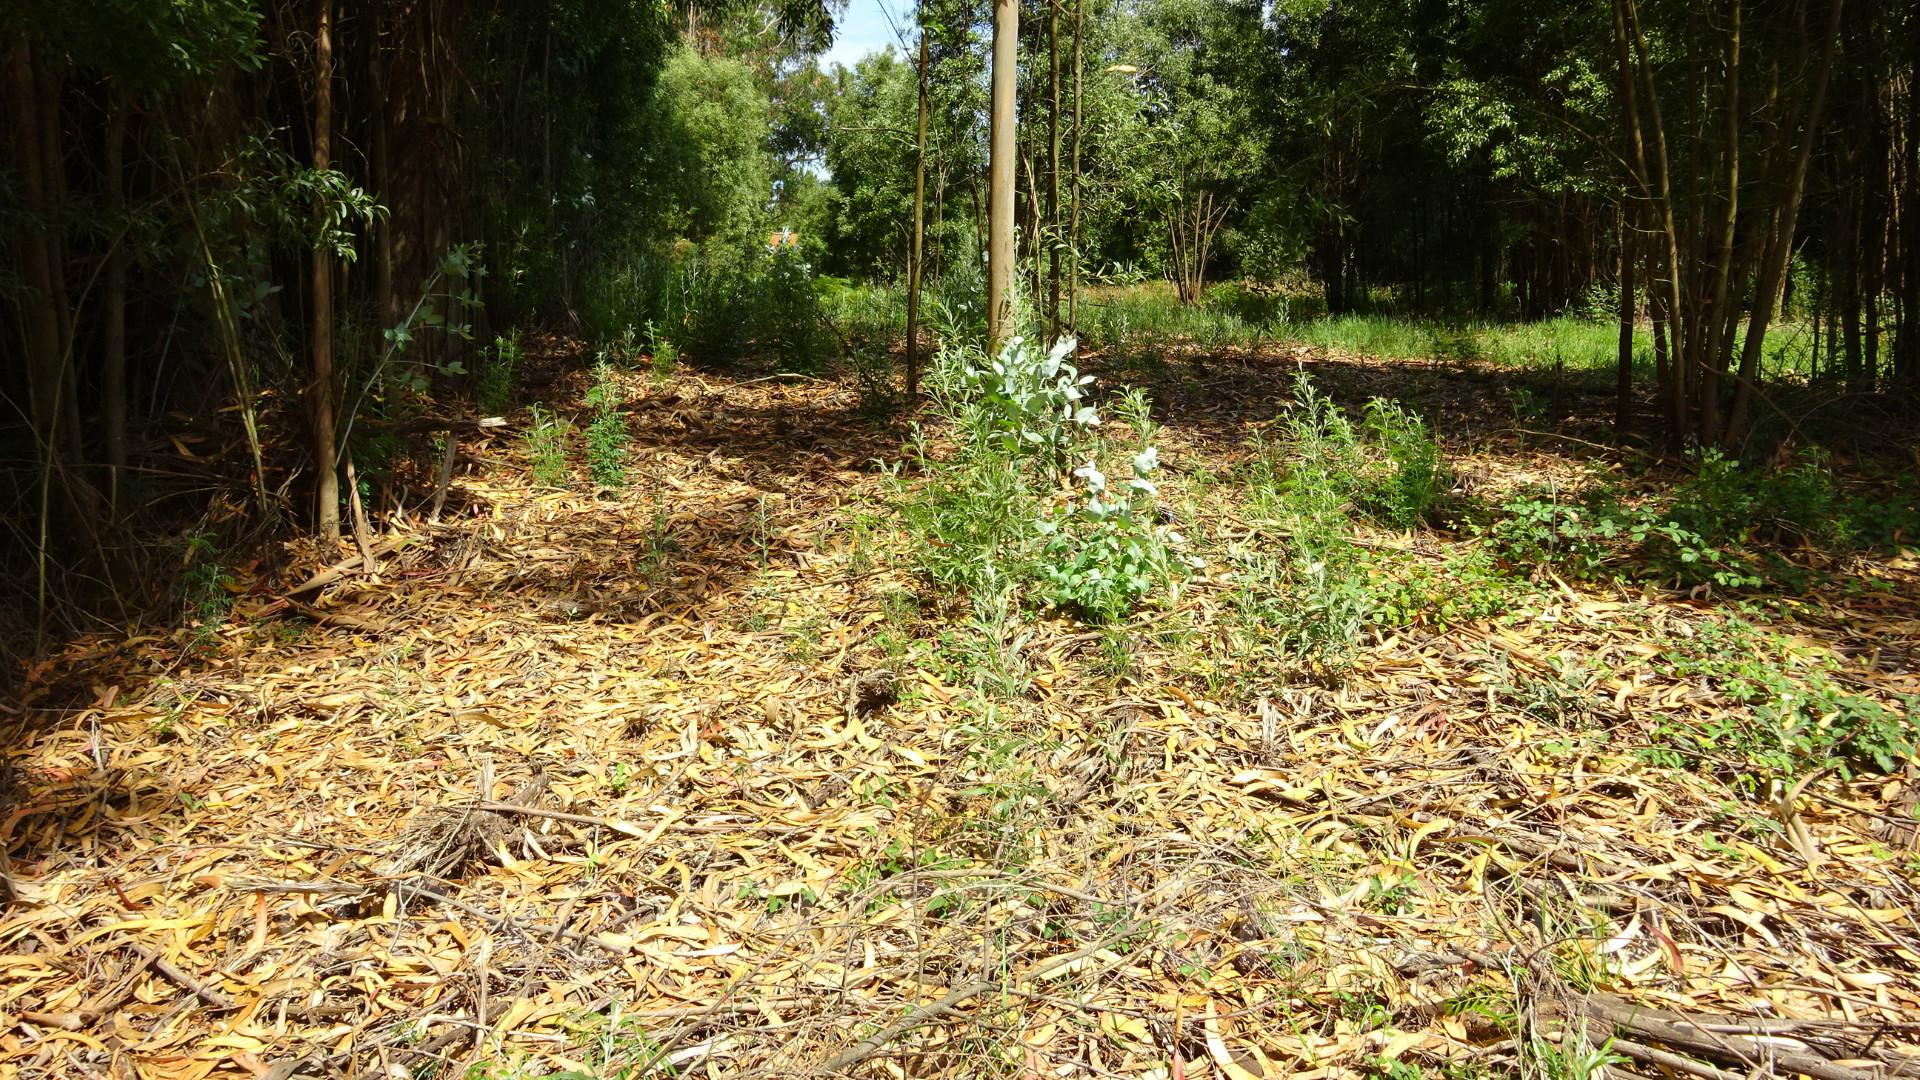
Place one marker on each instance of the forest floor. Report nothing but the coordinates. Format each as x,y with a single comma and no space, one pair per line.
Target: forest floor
693,776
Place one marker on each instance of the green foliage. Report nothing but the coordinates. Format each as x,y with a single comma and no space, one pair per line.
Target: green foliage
724,302
607,432
1029,402
1598,535
712,170
493,378
1105,554
972,521
1466,587
1414,478
662,355
1795,712
1314,598
205,587
545,442
985,521
1712,528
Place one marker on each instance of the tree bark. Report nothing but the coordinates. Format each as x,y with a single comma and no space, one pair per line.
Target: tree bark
1053,171
1780,245
1073,224
379,171
1006,33
1717,320
916,256
1627,27
1623,382
113,332
320,316
34,251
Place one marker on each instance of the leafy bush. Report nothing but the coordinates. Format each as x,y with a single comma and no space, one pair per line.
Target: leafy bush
205,587
1597,535
1798,716
607,433
1106,553
1031,402
493,379
545,441
1711,528
663,355
981,520
1314,600
972,521
1406,491
1467,587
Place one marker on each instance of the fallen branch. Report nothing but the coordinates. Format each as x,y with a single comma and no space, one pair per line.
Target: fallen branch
1722,1039
624,828
341,569
184,980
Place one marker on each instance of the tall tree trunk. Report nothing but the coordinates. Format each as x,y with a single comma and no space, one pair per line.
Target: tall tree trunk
37,265
1779,247
916,257
1680,358
379,172
113,332
1623,382
1053,171
1906,348
1073,225
1001,154
1717,318
1874,250
320,394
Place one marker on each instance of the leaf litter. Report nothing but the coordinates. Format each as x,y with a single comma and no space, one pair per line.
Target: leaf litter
684,778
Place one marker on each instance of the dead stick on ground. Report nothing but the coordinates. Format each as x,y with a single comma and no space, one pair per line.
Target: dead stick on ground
1676,1062
341,569
1686,1033
624,828
186,981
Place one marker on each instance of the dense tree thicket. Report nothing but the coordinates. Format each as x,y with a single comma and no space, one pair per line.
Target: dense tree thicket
229,222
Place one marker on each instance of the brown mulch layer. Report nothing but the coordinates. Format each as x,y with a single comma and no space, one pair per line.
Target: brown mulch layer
684,776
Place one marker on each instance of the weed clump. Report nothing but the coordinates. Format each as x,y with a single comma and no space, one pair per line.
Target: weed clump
607,433
1008,513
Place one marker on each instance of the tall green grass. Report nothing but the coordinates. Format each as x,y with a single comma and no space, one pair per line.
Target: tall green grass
1146,318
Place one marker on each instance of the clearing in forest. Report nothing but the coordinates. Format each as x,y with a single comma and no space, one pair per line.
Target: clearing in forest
693,775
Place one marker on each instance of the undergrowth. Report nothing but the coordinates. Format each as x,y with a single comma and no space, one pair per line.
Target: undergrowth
1023,506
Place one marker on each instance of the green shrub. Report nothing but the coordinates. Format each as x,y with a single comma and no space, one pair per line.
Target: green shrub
989,517
545,441
1796,715
607,432
1315,600
1106,553
1597,536
493,380
972,521
1029,402
663,356
1414,479
204,586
